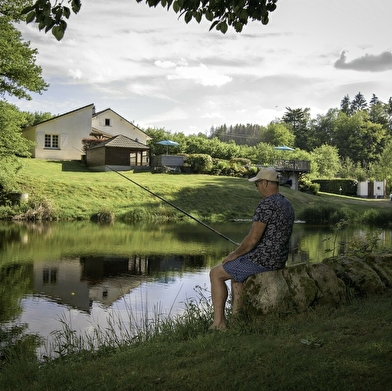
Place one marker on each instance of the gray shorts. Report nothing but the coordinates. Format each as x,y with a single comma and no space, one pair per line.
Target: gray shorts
241,268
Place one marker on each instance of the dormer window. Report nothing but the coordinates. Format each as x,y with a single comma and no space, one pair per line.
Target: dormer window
107,121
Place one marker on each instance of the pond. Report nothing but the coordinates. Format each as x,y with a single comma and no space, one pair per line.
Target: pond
89,276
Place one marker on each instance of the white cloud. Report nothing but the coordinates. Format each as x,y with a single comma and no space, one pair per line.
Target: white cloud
75,73
164,64
200,75
152,91
213,115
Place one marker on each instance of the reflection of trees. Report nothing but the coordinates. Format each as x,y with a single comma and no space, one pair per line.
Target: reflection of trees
15,282
15,343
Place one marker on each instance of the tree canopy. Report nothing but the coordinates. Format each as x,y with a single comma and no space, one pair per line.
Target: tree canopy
221,13
19,73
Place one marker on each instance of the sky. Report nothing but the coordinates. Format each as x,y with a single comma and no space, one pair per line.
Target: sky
156,71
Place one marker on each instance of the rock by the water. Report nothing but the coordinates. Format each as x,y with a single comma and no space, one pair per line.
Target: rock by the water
298,288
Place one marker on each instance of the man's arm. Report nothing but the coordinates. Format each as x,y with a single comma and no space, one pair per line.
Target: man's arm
250,240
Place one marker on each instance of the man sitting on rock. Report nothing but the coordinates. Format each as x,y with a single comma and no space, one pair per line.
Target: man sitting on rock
265,248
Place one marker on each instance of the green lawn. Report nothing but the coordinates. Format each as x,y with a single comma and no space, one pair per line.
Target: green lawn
74,192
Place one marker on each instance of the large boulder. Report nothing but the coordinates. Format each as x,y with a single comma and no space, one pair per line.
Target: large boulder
300,287
332,290
357,274
295,288
382,265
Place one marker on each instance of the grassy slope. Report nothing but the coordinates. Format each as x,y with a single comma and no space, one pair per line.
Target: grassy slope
348,349
76,192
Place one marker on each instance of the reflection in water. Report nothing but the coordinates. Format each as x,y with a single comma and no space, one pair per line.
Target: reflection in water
89,274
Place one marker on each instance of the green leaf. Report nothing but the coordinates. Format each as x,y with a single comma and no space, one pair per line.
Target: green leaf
238,26
41,25
209,15
50,25
30,17
244,15
27,10
223,27
213,25
67,12
188,17
176,6
76,5
58,32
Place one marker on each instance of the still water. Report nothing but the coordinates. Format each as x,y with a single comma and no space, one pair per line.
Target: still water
87,275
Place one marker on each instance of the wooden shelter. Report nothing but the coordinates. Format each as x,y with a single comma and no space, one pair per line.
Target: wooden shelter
118,153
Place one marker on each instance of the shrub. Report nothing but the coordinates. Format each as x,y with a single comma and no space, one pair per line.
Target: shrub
200,163
240,161
323,214
348,186
305,185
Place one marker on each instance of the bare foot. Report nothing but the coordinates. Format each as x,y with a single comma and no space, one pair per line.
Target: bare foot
218,327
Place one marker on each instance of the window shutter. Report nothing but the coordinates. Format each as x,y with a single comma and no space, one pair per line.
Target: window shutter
64,141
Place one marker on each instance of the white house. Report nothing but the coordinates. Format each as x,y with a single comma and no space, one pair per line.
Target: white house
61,137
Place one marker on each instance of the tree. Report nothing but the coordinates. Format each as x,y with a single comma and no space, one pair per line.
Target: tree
374,100
19,73
221,13
358,103
37,117
378,114
323,128
12,144
345,105
351,170
384,166
13,9
278,134
327,161
298,121
358,138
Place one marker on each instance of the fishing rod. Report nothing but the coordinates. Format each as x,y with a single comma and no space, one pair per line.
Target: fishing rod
167,202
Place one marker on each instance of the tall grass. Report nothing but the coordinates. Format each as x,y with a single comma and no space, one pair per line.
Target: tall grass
348,349
121,333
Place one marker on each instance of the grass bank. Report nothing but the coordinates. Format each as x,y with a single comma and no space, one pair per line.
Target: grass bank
348,349
68,191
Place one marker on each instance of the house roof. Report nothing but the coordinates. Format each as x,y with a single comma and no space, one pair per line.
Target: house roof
62,115
121,141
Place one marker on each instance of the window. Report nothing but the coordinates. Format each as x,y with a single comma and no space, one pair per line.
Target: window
51,140
49,276
107,121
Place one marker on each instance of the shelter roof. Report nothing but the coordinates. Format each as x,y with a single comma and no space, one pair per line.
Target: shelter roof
121,141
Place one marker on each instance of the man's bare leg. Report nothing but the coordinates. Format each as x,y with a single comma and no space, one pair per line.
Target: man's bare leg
236,292
219,293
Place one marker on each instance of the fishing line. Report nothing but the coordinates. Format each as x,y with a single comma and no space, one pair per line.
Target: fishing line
167,202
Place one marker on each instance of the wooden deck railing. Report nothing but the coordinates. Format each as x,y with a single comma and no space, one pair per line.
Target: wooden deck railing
292,165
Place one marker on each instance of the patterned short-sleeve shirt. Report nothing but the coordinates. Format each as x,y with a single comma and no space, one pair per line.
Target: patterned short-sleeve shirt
273,248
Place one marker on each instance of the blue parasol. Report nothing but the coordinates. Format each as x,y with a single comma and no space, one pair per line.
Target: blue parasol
283,148
167,143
